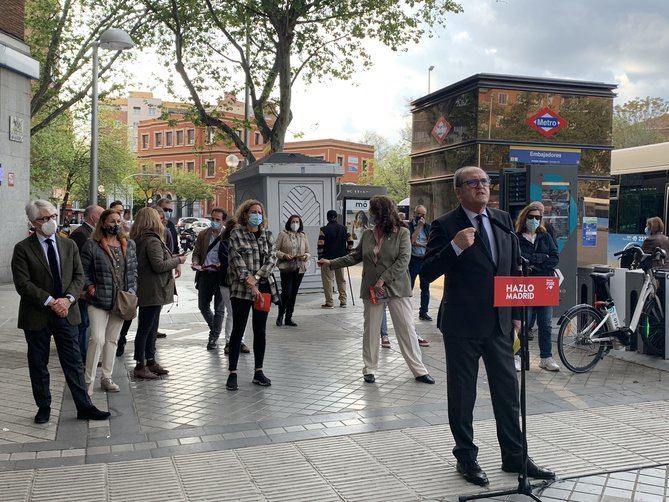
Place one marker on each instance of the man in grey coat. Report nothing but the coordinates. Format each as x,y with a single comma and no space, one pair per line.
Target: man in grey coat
48,276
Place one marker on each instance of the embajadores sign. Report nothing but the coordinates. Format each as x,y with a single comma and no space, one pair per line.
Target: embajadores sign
546,122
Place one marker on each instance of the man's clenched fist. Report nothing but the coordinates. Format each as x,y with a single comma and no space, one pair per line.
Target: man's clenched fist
465,238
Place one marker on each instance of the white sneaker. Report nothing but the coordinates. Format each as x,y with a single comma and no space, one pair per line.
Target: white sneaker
109,385
516,362
549,364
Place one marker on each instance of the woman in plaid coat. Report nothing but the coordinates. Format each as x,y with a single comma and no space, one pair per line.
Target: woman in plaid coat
251,259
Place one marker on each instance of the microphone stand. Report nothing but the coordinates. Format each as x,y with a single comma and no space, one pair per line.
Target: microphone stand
524,486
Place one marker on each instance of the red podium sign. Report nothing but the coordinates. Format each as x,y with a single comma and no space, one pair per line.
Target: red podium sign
519,291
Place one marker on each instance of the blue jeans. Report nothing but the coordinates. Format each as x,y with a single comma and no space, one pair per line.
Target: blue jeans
384,322
83,329
415,264
544,316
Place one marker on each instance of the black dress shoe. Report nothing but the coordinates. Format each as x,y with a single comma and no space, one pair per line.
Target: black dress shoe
473,473
92,413
212,344
231,384
425,379
43,415
279,321
533,470
424,317
290,322
369,378
160,334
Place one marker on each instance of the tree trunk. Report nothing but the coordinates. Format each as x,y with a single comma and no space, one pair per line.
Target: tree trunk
285,91
66,197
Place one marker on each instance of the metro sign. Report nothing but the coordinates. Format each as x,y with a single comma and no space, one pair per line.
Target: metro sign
546,122
441,129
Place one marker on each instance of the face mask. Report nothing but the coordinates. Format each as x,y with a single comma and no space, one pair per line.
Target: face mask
111,229
647,230
49,228
294,227
255,220
216,225
532,225
168,213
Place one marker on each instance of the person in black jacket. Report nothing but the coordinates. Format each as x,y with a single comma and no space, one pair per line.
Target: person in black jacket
471,245
166,205
80,236
334,241
538,247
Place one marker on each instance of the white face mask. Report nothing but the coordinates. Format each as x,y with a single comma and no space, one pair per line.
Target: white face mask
49,228
294,227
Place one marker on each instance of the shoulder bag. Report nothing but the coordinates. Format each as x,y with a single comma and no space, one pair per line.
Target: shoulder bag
125,302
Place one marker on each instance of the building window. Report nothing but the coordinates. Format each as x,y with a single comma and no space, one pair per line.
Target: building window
179,166
145,141
258,138
168,138
364,166
340,160
180,138
321,157
168,167
152,111
159,168
159,140
211,168
136,110
145,169
502,98
190,167
190,136
211,135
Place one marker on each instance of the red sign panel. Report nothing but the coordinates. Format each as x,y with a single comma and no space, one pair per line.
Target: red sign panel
441,129
527,291
546,122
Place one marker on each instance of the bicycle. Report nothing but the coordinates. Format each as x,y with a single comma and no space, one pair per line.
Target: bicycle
587,333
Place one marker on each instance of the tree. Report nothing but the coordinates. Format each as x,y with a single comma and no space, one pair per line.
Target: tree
190,188
393,172
271,44
59,160
60,34
635,122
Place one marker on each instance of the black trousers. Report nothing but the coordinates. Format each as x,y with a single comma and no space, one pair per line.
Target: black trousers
240,316
66,338
147,328
123,337
209,288
290,285
83,328
462,363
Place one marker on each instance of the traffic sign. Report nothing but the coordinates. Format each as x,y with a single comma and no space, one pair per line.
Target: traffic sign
441,129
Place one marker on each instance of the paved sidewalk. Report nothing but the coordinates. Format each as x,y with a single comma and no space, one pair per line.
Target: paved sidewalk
318,431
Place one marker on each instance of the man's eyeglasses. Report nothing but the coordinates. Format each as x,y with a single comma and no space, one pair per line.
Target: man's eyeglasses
475,183
534,217
47,218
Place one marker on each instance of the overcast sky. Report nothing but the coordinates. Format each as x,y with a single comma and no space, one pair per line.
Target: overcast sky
625,42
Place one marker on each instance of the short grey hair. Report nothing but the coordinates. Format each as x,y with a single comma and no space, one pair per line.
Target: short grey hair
164,199
33,208
89,210
460,174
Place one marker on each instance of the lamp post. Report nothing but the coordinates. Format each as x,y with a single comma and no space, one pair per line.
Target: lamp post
116,40
429,72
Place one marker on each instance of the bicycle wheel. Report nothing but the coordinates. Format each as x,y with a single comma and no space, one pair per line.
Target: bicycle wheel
651,328
577,352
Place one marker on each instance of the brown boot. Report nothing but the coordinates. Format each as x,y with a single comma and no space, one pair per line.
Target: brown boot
141,371
156,368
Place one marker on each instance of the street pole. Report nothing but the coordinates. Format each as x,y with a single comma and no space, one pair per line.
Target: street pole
93,186
247,92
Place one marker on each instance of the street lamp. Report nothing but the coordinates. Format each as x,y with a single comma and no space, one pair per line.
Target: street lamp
429,71
112,39
232,161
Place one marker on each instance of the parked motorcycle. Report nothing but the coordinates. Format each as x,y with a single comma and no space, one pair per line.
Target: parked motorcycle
187,238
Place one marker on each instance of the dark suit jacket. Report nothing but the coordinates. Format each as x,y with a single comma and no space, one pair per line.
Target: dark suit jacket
173,246
81,235
32,280
467,305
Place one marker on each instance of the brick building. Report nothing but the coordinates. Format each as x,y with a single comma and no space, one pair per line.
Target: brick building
168,146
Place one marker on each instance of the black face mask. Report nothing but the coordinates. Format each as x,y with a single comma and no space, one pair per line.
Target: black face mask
111,229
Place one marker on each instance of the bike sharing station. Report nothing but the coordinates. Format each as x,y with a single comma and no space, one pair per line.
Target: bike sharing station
538,139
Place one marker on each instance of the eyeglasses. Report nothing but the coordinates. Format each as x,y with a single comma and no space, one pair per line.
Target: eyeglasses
475,183
47,218
534,217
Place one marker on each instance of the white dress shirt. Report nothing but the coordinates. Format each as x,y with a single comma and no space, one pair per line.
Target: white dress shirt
45,247
488,228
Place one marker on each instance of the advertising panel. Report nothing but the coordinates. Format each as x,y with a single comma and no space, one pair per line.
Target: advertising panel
356,218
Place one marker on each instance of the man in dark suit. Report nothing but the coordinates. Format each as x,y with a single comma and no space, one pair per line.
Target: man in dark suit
80,236
469,248
166,205
48,276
